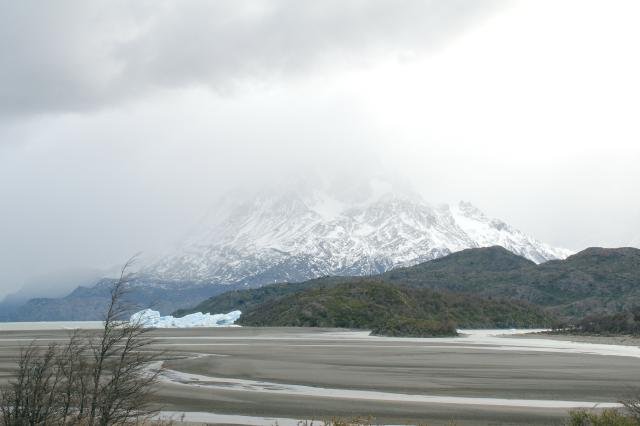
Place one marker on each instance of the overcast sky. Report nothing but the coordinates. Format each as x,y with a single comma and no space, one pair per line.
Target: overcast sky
121,122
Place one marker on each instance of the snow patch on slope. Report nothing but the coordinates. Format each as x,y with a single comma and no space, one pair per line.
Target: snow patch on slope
485,231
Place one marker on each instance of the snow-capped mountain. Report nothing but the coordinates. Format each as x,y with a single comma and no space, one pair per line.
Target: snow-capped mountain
296,235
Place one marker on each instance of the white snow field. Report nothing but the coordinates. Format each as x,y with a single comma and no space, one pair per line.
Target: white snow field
151,318
290,236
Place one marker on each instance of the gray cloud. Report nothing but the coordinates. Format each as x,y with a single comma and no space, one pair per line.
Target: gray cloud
121,122
79,55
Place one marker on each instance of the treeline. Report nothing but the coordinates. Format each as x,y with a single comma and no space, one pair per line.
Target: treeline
391,310
627,322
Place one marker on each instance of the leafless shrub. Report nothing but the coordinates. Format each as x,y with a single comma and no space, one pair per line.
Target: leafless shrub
632,407
94,379
30,399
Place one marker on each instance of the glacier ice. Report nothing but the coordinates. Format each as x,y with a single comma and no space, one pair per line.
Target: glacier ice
151,318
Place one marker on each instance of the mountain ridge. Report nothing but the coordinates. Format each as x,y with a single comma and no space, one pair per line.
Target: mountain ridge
593,281
292,237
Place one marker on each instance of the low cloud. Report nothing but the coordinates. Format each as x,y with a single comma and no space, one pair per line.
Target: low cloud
78,56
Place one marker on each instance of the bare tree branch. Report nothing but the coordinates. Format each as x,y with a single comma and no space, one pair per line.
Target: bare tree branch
101,379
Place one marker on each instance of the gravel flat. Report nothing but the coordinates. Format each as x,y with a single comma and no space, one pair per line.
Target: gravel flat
296,373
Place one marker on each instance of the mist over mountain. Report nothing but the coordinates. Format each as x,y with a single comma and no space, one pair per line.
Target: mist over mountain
54,285
362,229
293,233
115,138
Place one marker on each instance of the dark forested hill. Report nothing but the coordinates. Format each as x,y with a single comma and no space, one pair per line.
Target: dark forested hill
391,310
593,281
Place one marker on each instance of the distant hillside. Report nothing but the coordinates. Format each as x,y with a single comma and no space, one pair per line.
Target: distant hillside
273,235
89,303
593,281
246,299
391,310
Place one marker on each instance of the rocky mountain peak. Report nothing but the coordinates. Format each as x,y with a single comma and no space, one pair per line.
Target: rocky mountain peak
360,230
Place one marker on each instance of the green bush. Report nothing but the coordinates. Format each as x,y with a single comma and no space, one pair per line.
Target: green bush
607,417
409,327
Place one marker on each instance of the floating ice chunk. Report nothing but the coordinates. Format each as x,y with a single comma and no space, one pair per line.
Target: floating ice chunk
151,318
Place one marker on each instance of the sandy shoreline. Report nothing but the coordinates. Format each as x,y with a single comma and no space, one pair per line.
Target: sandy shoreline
606,340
